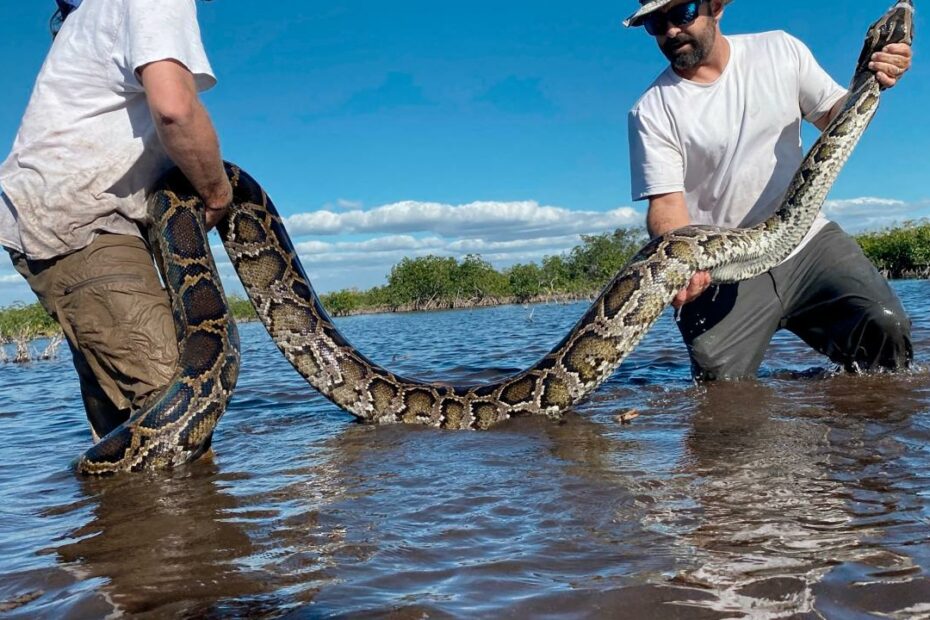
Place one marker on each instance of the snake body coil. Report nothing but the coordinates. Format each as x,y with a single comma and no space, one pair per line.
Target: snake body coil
178,426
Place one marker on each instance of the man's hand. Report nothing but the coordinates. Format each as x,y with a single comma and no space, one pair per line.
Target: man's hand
217,197
698,284
891,63
214,215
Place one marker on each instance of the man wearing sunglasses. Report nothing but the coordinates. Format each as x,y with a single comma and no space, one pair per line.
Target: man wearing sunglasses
716,140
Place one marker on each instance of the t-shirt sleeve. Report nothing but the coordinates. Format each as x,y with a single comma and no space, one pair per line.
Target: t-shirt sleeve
817,91
656,164
166,30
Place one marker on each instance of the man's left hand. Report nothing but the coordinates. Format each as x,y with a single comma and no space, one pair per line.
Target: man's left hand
891,63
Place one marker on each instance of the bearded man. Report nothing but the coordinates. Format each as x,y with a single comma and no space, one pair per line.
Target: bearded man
716,140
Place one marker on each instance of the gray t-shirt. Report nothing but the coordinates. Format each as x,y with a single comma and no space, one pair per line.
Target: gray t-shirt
731,146
87,151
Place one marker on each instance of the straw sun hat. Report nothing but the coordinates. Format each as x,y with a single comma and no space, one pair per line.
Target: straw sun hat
648,6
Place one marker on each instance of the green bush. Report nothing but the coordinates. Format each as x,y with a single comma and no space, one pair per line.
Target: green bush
592,264
475,279
26,321
241,308
341,303
899,251
421,282
526,281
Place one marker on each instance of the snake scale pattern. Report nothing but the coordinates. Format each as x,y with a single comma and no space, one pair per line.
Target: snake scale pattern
178,425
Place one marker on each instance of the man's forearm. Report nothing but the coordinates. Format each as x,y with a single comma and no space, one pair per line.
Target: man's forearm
191,142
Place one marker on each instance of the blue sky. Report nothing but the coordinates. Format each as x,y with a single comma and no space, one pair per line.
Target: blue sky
386,130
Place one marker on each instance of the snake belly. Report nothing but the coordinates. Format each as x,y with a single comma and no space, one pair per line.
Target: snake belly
178,426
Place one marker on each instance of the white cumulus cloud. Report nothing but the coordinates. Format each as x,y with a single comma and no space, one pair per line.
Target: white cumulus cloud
484,219
872,213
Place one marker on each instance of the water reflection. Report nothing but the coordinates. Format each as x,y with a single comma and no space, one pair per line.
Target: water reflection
201,542
167,542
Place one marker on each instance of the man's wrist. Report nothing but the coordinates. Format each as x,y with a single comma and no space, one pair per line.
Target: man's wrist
219,200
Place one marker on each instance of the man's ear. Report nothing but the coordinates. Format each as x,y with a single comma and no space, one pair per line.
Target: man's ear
716,8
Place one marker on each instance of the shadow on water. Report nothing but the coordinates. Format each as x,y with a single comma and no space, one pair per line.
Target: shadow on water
802,494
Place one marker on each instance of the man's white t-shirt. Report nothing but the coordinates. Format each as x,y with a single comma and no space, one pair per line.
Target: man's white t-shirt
87,150
732,146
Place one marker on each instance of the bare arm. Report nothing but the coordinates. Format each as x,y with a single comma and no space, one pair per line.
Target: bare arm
187,133
666,213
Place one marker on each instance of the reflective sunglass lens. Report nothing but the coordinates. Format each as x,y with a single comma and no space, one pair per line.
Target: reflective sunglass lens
683,13
657,23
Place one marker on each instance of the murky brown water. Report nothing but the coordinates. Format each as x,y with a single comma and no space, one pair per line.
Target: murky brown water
802,494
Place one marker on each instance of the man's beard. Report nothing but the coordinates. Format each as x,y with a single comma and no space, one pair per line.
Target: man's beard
688,59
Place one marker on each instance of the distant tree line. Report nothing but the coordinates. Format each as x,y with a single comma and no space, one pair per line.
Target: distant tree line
437,282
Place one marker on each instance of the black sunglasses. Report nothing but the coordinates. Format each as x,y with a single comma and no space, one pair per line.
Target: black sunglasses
657,22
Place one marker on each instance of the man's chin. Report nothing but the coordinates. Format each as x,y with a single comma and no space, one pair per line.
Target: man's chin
686,56
685,62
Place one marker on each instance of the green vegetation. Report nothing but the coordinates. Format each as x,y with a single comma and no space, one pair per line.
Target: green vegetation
901,252
20,322
20,325
241,308
435,282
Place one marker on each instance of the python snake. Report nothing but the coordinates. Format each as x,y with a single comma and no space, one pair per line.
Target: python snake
177,427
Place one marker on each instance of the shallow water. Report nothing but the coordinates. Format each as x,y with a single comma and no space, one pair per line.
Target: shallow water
803,494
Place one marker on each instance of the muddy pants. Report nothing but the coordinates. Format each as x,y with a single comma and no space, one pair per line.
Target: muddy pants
828,294
117,319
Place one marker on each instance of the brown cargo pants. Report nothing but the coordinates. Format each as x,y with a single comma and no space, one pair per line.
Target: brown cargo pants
116,317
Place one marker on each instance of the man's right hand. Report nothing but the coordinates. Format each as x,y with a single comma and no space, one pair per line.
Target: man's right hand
696,287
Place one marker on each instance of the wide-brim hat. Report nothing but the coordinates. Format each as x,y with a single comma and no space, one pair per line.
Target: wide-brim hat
648,6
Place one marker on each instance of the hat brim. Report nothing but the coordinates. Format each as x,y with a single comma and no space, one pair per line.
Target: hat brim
636,19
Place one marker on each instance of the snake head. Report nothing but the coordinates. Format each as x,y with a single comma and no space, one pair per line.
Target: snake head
895,26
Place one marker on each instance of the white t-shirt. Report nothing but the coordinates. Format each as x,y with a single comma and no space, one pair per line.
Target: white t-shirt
87,151
731,146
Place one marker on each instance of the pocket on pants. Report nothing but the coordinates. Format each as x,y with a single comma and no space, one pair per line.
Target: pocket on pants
122,324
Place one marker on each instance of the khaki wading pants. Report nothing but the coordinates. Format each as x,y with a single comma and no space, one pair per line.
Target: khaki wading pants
117,319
